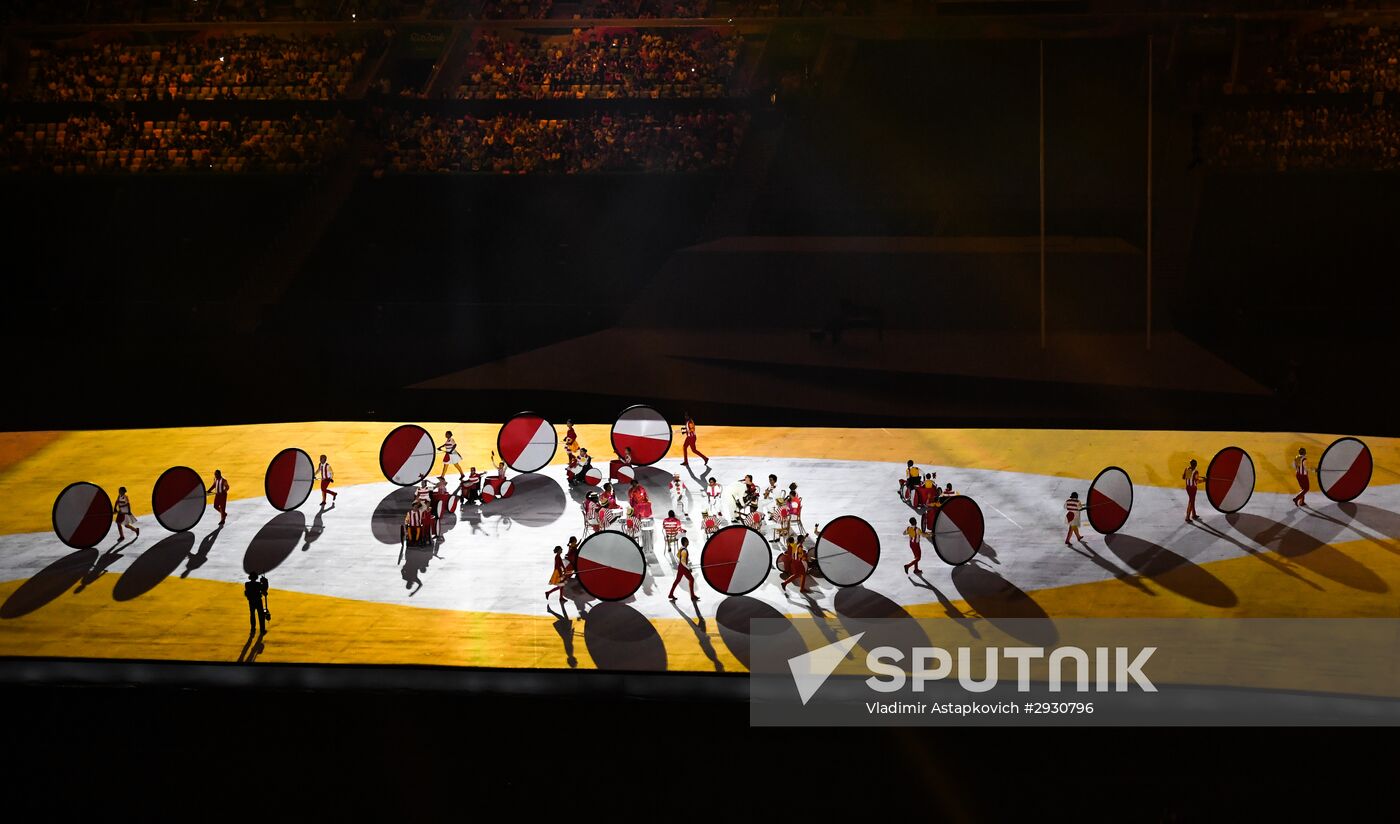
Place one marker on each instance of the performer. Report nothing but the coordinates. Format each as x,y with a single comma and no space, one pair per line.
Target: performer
912,474
913,533
671,529
1193,479
571,554
219,489
592,512
609,498
771,489
636,496
413,526
1072,510
713,493
632,525
122,510
323,471
797,565
679,493
709,523
754,520
468,489
558,577
571,472
441,500
449,450
570,438
688,444
422,495
794,505
928,491
500,466
683,571
1300,471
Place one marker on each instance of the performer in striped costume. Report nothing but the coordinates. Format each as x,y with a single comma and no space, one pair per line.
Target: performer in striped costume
450,456
671,529
1072,509
323,471
122,510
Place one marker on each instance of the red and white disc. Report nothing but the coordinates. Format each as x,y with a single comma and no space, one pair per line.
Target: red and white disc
407,455
1230,479
593,476
645,431
610,565
1345,469
958,529
622,472
178,498
496,487
527,442
1110,500
82,515
289,478
847,550
736,560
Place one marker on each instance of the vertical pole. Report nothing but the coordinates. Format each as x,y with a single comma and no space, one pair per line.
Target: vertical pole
1149,192
1042,194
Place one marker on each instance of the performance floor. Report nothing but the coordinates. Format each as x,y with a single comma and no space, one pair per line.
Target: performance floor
343,592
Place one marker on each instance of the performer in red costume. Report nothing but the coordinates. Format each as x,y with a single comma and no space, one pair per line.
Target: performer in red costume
122,511
688,444
671,529
323,471
558,577
219,489
1193,479
1300,471
1072,510
683,571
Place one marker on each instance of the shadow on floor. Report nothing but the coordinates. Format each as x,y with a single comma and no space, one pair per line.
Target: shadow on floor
735,616
153,566
1004,605
277,539
49,583
1307,552
1171,571
619,637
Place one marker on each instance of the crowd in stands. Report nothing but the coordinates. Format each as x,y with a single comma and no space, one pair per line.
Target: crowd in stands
1335,60
108,144
55,12
597,142
602,63
196,68
1315,137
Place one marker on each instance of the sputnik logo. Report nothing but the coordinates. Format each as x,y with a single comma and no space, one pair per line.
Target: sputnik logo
811,669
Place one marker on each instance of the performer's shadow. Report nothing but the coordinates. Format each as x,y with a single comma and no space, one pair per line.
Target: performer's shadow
736,616
538,501
619,637
49,583
884,622
274,543
153,566
1379,520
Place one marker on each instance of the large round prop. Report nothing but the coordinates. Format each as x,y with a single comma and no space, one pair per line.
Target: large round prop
643,430
847,550
82,515
289,478
407,455
620,471
1345,469
496,487
610,565
736,560
1230,479
958,530
178,498
1110,500
527,442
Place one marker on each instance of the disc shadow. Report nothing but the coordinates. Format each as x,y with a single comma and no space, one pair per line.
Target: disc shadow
1307,551
538,501
277,539
1170,570
619,637
655,480
153,566
1004,605
1374,518
49,583
735,616
387,521
884,622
